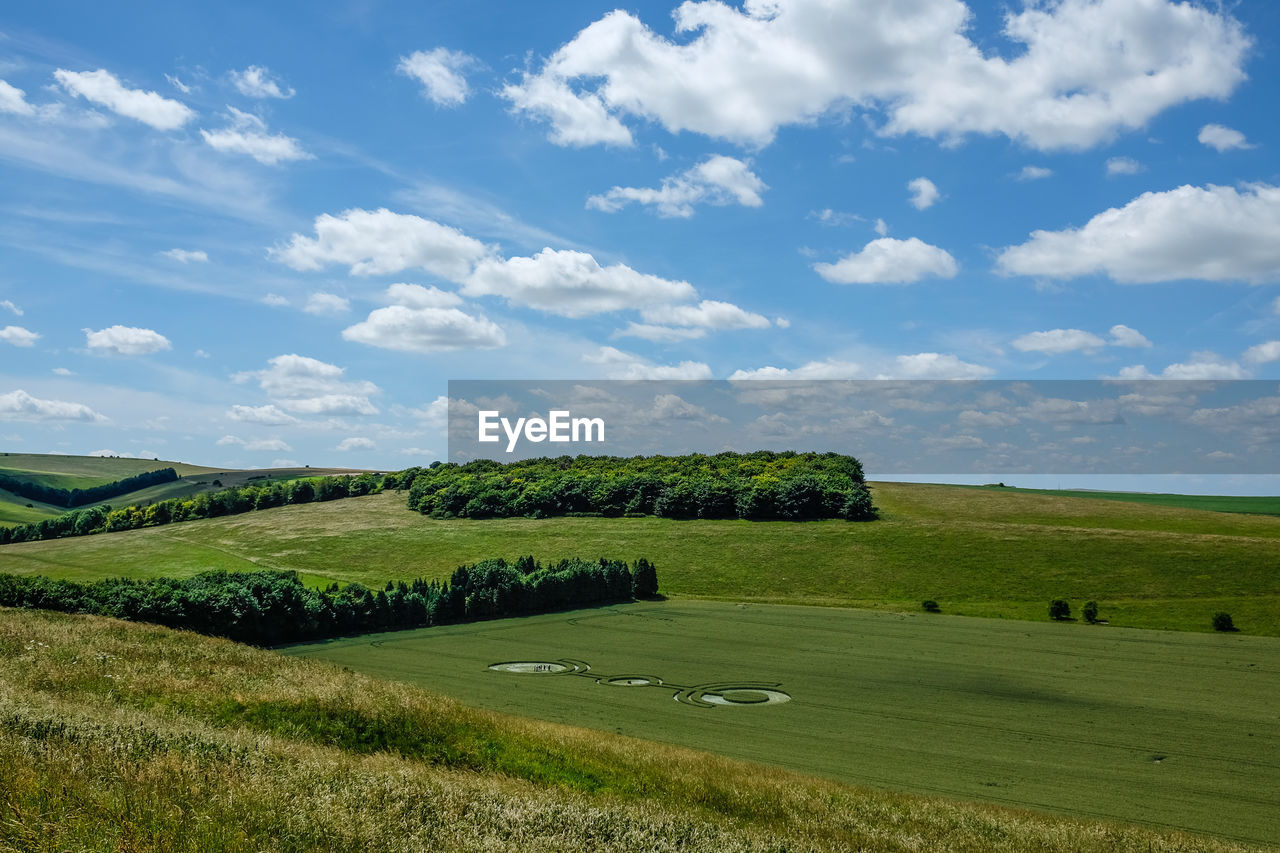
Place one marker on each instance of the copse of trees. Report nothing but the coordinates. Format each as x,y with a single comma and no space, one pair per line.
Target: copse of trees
93,494
760,486
104,519
274,607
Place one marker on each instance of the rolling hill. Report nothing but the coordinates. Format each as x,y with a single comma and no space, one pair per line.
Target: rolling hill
82,472
977,552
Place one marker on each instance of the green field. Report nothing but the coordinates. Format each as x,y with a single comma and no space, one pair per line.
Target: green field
977,552
81,472
1252,504
1172,729
117,736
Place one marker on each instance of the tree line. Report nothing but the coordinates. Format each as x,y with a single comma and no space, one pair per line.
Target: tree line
760,486
272,607
104,519
93,494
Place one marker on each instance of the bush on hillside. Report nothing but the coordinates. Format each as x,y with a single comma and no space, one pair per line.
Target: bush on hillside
1223,622
1090,612
1059,610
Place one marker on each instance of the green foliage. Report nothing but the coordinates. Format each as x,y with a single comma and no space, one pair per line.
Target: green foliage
644,580
930,606
1091,612
1059,609
758,486
273,607
1223,622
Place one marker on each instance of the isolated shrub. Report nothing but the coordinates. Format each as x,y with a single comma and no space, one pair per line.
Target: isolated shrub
1091,612
1222,622
644,580
930,606
1059,609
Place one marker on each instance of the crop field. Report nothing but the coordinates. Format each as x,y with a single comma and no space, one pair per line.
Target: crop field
120,736
977,552
1172,729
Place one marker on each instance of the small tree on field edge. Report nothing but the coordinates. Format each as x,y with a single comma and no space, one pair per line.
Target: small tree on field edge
930,606
1091,612
1222,622
1059,610
644,580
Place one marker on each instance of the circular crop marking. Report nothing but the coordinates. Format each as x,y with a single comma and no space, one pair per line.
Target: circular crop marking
746,696
531,667
632,681
706,695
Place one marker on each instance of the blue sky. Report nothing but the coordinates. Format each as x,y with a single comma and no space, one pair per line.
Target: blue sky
258,234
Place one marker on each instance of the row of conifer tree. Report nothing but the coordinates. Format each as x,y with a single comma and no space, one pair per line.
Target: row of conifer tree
274,607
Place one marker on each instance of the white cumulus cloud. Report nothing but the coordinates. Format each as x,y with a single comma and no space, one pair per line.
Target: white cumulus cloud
379,242
572,284
18,336
707,314
1123,166
1057,341
924,194
718,180
1262,353
933,365
309,386
441,73
102,87
1034,173
424,320
258,82
20,406
1080,72
327,303
890,261
247,134
14,100
8,305
1209,233
1222,138
828,369
1201,365
624,365
1123,336
355,443
125,340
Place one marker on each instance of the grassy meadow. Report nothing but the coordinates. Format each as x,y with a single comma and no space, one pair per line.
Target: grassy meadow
1173,729
978,552
1252,504
82,472
118,736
